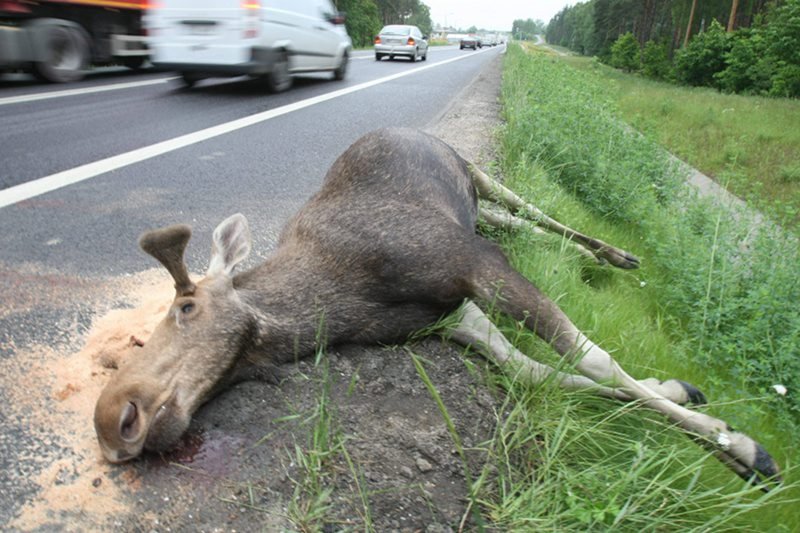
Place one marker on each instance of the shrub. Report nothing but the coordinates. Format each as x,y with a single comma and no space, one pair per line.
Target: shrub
747,70
703,57
655,60
786,81
625,53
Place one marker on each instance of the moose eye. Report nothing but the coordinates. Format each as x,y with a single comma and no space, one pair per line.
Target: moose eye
187,308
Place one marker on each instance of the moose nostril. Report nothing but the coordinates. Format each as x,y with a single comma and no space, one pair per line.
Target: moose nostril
128,421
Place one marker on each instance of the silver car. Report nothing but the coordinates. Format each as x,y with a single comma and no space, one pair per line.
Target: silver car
401,40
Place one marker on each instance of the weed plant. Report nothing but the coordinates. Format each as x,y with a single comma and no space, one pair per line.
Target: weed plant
714,303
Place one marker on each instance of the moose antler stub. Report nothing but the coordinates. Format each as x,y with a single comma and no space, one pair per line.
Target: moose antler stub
167,246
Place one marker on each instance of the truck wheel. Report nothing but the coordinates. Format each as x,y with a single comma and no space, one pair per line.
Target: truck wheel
66,55
341,70
280,79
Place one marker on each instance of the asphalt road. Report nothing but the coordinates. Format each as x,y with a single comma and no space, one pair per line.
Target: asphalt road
86,167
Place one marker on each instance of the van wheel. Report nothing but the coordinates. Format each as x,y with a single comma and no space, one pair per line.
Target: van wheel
280,79
134,62
66,55
190,79
378,57
341,70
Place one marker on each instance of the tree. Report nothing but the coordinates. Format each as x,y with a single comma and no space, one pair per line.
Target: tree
761,54
526,30
405,12
363,21
689,25
421,18
782,33
732,18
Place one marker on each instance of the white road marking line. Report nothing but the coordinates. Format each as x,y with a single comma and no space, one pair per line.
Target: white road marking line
31,189
85,90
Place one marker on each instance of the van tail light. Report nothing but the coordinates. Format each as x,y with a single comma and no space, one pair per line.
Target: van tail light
377,39
252,9
411,41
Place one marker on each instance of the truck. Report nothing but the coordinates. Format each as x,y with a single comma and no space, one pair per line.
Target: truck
58,40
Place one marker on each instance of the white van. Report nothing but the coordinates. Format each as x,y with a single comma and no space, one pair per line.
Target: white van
270,39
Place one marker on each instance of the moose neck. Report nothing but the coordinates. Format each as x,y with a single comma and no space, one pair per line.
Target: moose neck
294,305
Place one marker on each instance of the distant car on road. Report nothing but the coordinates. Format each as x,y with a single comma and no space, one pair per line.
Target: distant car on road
401,40
470,41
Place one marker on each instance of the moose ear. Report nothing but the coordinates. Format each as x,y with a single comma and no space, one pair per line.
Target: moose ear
230,246
167,245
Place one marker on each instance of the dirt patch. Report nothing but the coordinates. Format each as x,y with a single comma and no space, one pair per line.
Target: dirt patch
53,396
356,439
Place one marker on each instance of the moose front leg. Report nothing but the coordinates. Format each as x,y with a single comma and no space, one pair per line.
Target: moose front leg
493,190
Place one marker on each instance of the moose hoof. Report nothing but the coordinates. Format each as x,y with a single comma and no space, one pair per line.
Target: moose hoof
693,394
764,472
677,390
621,259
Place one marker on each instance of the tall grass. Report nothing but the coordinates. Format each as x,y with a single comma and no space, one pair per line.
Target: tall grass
714,303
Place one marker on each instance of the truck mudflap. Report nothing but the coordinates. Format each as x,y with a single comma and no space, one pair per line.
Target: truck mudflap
15,47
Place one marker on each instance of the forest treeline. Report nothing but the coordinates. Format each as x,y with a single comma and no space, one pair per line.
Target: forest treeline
747,46
365,18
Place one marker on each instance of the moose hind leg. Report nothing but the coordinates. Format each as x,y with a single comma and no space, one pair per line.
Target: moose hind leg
475,330
497,282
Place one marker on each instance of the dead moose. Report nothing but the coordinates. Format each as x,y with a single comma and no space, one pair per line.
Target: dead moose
386,247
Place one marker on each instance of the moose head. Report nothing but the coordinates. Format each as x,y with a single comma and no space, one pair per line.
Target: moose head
149,403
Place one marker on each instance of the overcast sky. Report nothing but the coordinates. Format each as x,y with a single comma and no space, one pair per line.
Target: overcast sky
492,14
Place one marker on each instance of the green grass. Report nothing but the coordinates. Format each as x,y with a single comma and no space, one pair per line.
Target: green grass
749,144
